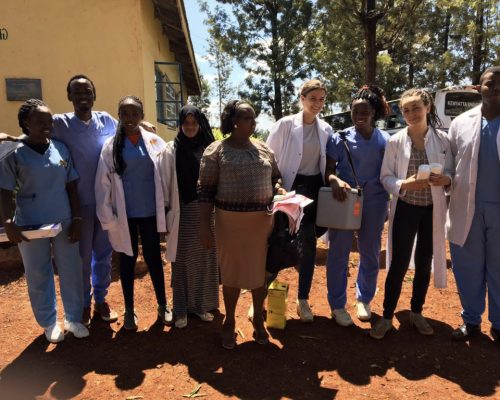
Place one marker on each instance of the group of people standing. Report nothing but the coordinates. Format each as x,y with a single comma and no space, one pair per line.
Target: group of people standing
308,151
109,182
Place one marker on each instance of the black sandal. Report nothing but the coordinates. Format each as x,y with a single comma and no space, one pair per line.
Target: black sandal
228,337
229,342
262,337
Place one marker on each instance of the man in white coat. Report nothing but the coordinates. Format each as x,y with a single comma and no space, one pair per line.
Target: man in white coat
474,230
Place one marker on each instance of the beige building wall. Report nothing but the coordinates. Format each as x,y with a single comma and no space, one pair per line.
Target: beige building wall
114,42
155,47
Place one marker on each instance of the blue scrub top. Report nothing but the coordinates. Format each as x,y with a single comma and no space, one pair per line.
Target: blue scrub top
367,156
85,143
138,180
488,171
42,179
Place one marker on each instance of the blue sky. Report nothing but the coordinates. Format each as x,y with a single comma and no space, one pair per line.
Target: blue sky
199,37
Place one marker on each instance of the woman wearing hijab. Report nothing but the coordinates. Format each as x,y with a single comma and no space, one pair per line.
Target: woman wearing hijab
195,275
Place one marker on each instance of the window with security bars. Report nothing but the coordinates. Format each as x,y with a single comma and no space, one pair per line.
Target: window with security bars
169,98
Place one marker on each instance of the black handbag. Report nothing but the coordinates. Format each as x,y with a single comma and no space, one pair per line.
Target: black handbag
284,249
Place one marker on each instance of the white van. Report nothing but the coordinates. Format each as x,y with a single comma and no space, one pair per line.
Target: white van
453,101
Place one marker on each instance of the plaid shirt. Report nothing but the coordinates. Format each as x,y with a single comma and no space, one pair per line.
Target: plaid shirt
238,179
417,197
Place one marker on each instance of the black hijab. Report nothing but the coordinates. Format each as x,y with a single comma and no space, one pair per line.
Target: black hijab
186,163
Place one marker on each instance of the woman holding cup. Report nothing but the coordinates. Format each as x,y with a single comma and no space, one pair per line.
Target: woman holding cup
416,169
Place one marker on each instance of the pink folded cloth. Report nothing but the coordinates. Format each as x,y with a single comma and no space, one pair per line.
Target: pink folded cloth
293,206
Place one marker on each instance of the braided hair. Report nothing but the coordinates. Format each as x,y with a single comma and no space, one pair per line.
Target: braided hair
25,110
376,97
77,77
119,139
228,114
432,117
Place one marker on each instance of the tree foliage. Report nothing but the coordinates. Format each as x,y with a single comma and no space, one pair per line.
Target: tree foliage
203,100
267,38
395,43
355,41
221,62
418,43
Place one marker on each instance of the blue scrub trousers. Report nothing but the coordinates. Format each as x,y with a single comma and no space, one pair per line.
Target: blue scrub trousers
369,237
96,252
37,260
476,266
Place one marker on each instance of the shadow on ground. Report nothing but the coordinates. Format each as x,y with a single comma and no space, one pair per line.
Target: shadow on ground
293,366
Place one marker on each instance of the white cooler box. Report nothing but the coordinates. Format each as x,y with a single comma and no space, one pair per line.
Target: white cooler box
344,215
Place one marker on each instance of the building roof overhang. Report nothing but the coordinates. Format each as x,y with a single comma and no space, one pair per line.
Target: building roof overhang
172,16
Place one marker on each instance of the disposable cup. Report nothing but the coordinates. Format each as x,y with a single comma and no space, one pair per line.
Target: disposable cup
424,171
436,168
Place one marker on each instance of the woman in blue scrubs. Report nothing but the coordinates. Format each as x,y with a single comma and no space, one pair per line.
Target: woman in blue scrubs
130,202
42,171
366,145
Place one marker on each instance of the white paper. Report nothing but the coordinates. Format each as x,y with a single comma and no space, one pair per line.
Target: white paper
38,232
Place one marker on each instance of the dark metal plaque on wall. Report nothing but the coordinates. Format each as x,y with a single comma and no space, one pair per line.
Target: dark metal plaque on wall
23,89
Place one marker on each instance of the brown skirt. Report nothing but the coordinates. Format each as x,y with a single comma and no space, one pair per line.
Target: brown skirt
241,239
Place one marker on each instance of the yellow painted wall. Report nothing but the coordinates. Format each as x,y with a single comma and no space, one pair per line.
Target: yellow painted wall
114,42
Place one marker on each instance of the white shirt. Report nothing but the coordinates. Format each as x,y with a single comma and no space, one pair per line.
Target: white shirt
287,141
311,154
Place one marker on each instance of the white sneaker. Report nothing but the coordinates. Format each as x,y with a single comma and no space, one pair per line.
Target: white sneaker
165,314
76,328
363,311
304,311
54,334
342,317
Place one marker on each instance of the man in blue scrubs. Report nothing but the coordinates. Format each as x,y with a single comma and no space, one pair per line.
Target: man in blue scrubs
474,232
84,132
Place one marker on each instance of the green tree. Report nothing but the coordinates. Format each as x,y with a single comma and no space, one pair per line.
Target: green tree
417,43
203,100
455,42
221,62
474,34
267,38
355,40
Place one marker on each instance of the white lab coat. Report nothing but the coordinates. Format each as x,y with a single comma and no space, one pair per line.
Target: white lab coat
465,135
394,171
171,196
110,197
287,139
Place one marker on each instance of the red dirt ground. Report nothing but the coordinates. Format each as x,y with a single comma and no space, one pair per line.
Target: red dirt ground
315,361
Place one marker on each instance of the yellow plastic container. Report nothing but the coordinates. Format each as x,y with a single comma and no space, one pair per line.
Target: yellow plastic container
277,321
278,289
277,305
